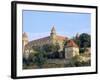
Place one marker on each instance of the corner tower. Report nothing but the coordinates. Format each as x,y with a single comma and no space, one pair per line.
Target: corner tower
24,40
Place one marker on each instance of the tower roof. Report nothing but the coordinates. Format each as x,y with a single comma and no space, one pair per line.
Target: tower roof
25,35
53,30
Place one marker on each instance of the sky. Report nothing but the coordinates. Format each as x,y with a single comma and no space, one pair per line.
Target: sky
38,24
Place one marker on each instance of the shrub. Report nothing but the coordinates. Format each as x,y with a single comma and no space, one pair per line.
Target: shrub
76,62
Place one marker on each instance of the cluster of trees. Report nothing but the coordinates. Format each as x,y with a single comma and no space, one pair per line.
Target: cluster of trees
52,50
83,41
40,54
37,58
51,47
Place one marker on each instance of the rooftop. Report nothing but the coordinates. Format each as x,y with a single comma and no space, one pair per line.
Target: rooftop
71,43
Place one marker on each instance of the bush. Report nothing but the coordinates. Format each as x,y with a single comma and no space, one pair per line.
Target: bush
40,58
75,62
25,61
81,50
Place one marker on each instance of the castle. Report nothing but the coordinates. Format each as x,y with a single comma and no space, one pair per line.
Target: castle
70,49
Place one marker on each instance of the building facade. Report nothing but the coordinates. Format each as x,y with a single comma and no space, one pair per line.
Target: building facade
70,48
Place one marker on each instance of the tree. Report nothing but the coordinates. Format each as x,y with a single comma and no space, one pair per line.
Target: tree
76,40
76,61
85,40
51,47
52,50
47,48
37,57
40,58
57,47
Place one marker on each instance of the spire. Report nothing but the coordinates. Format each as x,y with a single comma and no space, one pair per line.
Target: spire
53,30
53,33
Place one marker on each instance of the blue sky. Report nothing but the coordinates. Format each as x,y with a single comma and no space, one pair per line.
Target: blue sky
39,23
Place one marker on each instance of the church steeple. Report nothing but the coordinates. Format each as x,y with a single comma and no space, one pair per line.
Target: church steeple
53,33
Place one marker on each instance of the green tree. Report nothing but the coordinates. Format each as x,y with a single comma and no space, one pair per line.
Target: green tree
37,57
40,58
76,40
85,40
47,48
76,62
51,47
55,47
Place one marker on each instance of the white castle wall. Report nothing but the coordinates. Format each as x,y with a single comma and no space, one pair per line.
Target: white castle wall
71,52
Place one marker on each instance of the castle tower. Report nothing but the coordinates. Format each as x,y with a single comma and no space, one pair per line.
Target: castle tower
53,34
24,40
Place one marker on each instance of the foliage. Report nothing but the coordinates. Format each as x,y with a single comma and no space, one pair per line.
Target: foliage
65,43
85,40
76,40
82,50
31,57
39,54
51,47
25,61
39,58
47,48
52,50
75,62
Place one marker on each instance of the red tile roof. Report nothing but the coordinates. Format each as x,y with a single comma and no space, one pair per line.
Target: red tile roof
46,40
71,43
61,37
